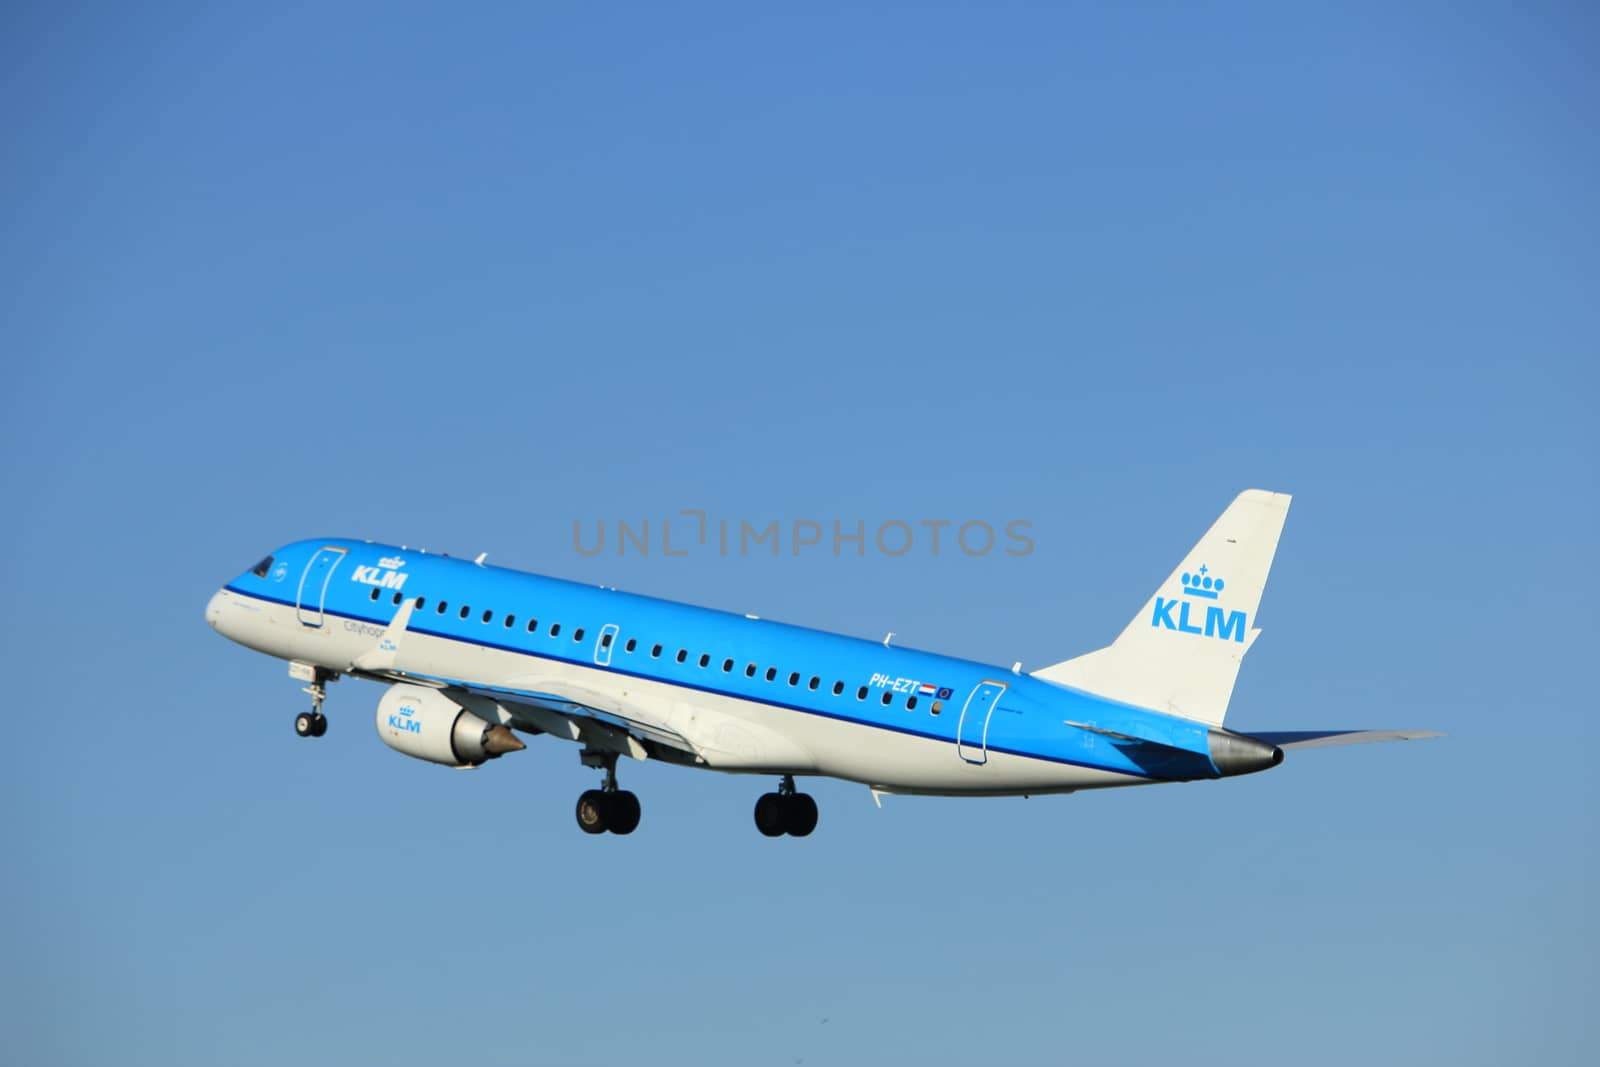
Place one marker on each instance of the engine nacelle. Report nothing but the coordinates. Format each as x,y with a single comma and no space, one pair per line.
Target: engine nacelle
426,724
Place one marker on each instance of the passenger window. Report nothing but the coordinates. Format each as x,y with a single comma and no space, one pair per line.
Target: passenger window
815,681
511,620
750,671
772,672
911,703
555,629
421,603
887,696
442,605
683,654
577,635
605,640
861,694
533,624
397,598
794,678
466,609
938,706
632,644
487,615
655,653
374,594
727,666
838,687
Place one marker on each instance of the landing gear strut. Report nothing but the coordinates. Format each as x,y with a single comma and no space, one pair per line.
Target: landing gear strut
606,808
313,723
786,811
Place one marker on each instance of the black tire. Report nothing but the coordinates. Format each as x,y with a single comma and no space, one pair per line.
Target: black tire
769,815
593,812
799,814
624,817
319,724
305,725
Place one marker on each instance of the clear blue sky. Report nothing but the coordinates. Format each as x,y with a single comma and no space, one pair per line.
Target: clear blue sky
459,278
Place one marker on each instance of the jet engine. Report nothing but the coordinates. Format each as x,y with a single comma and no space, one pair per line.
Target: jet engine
426,724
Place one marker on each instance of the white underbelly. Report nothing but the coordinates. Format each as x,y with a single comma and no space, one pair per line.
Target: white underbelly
728,734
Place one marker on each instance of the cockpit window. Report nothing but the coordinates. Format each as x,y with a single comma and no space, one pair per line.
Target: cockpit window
260,569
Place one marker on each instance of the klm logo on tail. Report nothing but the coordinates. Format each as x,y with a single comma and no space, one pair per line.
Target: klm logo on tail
1202,585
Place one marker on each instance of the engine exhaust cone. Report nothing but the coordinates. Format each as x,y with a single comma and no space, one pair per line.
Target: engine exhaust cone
499,740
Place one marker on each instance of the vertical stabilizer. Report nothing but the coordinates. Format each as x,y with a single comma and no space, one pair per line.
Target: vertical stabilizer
1181,653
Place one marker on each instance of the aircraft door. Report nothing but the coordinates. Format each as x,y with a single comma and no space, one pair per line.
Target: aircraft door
603,643
972,733
314,584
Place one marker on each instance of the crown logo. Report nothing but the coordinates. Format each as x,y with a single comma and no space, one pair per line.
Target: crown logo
1201,584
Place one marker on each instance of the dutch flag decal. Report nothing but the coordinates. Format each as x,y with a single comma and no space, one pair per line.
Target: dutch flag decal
926,690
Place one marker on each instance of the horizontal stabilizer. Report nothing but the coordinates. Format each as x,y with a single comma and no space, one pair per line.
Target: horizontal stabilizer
1329,738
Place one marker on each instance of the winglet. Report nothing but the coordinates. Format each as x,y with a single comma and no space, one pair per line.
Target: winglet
382,656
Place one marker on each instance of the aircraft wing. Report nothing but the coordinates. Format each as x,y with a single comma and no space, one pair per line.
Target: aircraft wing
1329,738
585,714
599,719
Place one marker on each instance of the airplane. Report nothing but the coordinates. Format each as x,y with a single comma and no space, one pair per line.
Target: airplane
475,655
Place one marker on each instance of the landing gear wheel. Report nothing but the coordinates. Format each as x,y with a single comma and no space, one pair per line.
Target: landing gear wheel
770,815
606,808
313,723
594,812
799,814
624,815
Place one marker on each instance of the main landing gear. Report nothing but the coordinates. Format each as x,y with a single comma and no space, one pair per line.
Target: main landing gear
313,723
607,808
786,811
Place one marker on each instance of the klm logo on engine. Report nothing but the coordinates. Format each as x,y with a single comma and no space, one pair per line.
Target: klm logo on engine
405,719
1202,585
386,575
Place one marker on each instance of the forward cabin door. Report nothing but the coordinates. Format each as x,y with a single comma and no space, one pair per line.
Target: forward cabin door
972,733
314,584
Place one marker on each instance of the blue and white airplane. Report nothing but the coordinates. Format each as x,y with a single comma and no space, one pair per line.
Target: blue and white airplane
475,655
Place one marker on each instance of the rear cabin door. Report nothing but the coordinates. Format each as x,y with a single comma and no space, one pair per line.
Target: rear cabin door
314,584
972,733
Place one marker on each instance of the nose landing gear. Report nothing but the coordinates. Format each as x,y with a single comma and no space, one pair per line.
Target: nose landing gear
313,723
607,808
786,811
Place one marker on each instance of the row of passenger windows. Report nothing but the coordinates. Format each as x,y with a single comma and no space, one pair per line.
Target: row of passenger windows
771,673
488,616
682,656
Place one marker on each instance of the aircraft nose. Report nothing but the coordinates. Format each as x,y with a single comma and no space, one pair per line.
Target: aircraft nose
214,608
